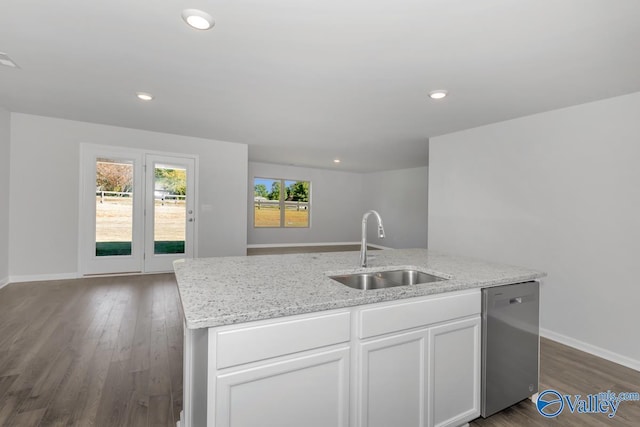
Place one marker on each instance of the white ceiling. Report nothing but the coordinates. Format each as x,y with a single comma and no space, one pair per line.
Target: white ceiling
303,81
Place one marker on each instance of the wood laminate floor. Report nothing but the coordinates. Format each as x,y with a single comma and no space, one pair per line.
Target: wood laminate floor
99,351
108,352
570,371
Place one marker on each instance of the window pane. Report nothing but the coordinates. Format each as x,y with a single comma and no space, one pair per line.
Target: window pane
281,203
114,207
170,210
296,213
266,201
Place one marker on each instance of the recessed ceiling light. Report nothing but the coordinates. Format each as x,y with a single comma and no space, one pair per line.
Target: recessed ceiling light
144,96
336,160
437,94
198,19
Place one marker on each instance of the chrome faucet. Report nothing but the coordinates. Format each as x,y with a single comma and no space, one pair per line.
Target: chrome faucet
363,249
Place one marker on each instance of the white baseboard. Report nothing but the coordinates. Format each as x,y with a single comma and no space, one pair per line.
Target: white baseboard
293,245
43,277
378,246
591,349
4,282
67,276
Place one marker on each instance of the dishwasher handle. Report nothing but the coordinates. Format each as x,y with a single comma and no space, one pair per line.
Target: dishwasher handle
506,301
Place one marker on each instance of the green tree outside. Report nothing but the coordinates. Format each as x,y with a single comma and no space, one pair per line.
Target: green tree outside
298,191
275,191
172,180
260,190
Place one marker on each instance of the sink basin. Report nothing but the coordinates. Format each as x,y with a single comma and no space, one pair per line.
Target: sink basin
410,277
385,279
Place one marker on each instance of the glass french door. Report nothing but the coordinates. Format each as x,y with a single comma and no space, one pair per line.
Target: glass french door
169,210
137,210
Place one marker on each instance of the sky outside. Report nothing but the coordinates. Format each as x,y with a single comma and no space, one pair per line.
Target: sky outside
267,182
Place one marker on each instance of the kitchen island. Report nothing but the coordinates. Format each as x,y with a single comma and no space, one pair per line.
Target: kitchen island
273,340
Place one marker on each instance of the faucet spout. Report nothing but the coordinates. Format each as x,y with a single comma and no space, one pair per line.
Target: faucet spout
363,248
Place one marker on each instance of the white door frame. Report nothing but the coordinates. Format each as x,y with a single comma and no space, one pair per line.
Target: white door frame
87,261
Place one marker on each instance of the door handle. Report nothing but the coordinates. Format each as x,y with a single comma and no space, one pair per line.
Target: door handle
191,219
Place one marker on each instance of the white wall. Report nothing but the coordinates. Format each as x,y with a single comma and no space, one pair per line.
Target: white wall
45,155
339,199
5,133
559,192
335,206
400,197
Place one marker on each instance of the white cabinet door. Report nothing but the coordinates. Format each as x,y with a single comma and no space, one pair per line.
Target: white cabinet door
310,391
454,373
392,381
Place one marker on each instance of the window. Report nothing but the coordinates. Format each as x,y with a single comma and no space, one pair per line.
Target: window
114,206
289,208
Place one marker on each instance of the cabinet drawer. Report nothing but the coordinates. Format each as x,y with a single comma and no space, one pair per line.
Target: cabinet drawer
400,316
279,338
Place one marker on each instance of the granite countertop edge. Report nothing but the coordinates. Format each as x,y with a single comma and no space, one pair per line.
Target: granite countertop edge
232,290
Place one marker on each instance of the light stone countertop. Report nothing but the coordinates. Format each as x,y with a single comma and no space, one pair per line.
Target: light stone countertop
229,290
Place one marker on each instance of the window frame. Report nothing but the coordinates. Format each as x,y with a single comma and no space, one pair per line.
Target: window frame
281,203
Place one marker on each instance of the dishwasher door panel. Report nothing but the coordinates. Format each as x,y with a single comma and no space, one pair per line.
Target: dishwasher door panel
510,345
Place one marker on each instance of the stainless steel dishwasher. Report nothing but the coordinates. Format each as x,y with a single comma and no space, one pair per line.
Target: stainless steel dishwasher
510,345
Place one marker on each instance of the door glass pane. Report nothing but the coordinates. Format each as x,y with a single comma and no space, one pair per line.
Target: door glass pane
114,206
169,227
296,202
266,201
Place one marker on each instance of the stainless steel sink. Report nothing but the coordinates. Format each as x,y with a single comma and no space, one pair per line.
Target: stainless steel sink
385,279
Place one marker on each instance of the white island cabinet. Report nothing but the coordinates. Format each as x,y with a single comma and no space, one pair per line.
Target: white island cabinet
274,341
414,362
288,372
419,361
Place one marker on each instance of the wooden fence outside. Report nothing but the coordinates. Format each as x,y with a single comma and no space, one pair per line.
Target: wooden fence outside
161,197
275,203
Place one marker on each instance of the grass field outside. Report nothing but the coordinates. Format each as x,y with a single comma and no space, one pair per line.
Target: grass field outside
269,216
114,219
